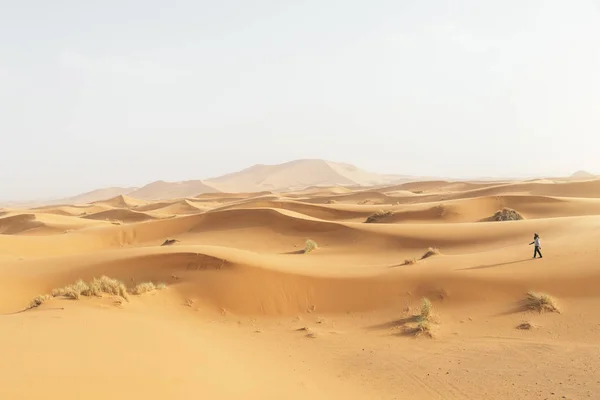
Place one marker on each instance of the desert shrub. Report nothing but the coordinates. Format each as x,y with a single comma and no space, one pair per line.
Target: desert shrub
432,251
410,261
421,323
379,215
540,302
144,287
309,246
73,291
95,288
169,242
39,300
505,214
426,308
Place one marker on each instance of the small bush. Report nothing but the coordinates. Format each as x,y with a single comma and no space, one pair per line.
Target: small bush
422,323
309,246
95,288
73,291
426,308
379,215
331,201
505,214
144,287
169,242
430,252
38,301
423,328
541,302
410,261
161,286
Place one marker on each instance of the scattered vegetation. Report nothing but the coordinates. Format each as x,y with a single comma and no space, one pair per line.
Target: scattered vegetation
331,201
146,287
505,214
95,288
432,251
169,242
73,291
38,301
426,308
379,215
410,261
310,246
540,302
422,321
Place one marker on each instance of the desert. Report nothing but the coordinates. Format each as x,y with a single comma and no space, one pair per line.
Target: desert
418,290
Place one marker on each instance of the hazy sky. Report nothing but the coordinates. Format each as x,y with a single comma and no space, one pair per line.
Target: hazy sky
122,93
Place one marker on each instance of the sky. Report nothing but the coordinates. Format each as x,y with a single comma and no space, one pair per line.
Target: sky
122,93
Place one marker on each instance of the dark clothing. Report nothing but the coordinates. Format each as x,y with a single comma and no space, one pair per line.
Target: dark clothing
537,251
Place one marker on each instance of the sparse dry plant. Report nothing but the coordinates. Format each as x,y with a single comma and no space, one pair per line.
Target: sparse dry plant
410,261
505,214
95,288
423,328
541,302
426,308
422,322
39,300
144,287
432,251
309,246
379,215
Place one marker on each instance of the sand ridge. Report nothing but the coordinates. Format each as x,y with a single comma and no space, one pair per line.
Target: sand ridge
244,303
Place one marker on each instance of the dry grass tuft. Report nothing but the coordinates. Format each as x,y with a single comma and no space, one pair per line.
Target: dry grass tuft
95,288
505,214
410,261
309,246
422,322
38,301
541,302
426,308
378,216
169,242
144,287
432,251
73,291
331,201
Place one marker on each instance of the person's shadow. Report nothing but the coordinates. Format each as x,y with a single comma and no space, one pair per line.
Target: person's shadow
494,265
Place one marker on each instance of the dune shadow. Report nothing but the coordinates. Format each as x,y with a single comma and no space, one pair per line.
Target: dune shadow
294,252
517,307
493,265
395,324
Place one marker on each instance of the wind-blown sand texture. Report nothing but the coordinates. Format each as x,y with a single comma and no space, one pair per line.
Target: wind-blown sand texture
247,314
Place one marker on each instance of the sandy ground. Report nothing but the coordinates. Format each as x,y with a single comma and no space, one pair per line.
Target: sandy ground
246,314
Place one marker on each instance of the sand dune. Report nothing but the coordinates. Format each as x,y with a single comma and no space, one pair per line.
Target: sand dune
169,190
296,174
244,306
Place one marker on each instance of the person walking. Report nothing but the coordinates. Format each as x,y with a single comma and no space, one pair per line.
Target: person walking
538,245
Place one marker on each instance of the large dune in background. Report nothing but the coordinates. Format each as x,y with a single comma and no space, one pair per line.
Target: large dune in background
246,314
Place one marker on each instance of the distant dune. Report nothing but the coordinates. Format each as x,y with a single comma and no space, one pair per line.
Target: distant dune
298,174
161,190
